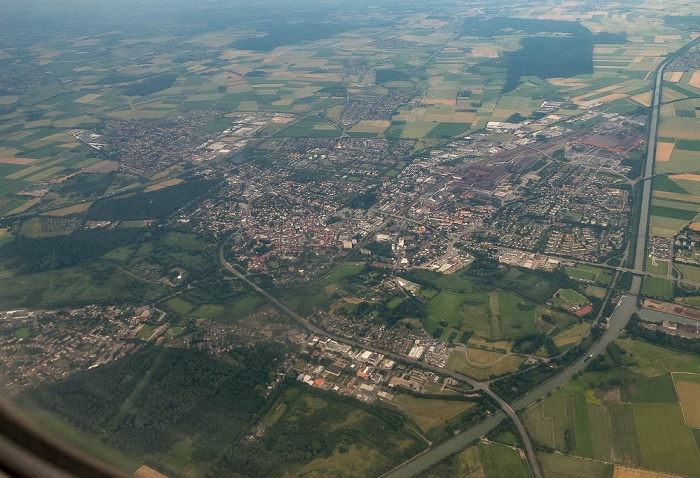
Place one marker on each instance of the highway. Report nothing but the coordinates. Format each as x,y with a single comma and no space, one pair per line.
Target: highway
617,322
640,250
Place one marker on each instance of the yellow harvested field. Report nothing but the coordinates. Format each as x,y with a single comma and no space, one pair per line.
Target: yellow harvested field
102,167
463,117
67,211
46,174
248,106
147,472
664,38
87,98
25,206
446,102
695,226
580,99
571,336
332,77
662,231
566,82
679,128
663,151
46,140
675,76
484,51
686,177
695,80
23,172
676,196
371,126
8,100
163,185
16,160
611,97
643,98
689,396
624,472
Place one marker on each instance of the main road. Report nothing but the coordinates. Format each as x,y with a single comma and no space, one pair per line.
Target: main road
480,386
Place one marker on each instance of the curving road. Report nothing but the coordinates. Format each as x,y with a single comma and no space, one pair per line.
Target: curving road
480,386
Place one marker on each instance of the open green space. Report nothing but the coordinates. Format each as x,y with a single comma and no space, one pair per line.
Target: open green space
657,266
315,294
429,413
658,288
498,315
74,287
689,272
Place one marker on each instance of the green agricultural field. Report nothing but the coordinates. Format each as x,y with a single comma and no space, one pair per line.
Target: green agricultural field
448,130
672,213
658,288
637,423
667,443
186,242
548,421
688,144
625,442
563,466
658,389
